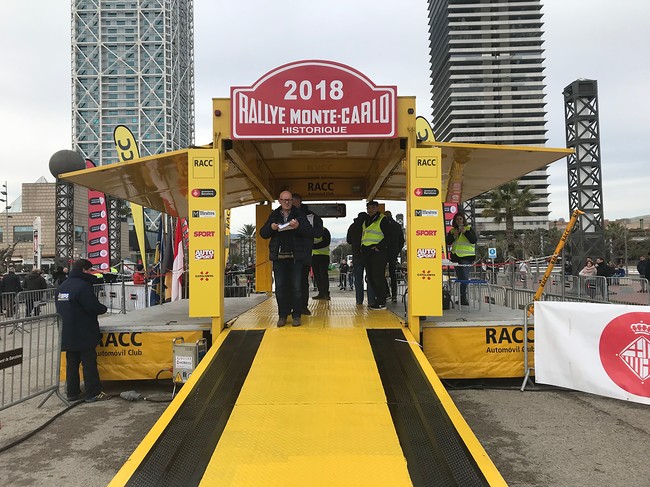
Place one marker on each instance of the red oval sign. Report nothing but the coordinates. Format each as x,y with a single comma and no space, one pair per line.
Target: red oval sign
315,100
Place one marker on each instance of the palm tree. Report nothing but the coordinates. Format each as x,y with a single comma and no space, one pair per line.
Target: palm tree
504,203
616,234
247,234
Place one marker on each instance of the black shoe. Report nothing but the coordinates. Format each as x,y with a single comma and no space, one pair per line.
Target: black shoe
394,300
282,321
464,302
318,297
76,398
296,321
102,396
306,312
377,306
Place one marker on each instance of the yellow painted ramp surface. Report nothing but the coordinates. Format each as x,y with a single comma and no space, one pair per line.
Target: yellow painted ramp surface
345,399
312,412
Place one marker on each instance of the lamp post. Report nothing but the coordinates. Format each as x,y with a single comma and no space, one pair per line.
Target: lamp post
5,200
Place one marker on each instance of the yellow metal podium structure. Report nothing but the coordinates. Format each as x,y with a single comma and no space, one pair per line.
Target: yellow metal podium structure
348,398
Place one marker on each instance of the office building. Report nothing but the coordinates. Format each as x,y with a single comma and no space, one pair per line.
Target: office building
132,65
488,84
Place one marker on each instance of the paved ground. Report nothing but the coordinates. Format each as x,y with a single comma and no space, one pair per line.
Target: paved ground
544,437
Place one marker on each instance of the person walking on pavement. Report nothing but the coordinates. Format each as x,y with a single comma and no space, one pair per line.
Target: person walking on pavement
291,240
10,288
641,268
344,269
317,224
79,308
376,233
462,239
320,259
395,246
35,285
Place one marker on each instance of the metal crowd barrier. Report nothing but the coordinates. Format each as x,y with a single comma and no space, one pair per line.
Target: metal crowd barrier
8,303
35,303
238,285
628,290
30,356
121,297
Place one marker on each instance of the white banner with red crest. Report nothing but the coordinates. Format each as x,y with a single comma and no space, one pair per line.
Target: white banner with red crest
602,349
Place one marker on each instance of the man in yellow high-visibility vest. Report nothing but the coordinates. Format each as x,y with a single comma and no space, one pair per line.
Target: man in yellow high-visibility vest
462,239
375,237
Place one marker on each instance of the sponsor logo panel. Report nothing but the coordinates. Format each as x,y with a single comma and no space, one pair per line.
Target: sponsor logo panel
207,254
426,192
426,212
204,214
204,193
426,253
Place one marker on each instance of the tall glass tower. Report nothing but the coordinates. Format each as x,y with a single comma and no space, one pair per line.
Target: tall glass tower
133,65
488,82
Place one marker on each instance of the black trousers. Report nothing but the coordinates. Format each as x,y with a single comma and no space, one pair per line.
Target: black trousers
376,271
88,360
320,265
392,273
304,287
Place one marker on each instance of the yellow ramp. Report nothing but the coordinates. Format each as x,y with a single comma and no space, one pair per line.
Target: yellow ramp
347,398
312,412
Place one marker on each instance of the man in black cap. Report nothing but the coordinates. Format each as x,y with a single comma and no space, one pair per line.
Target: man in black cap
79,307
375,236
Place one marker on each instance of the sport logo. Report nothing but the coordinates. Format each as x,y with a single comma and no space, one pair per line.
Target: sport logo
204,233
426,253
204,193
625,352
204,254
426,212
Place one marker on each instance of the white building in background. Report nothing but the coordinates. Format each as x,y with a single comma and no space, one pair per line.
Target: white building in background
488,84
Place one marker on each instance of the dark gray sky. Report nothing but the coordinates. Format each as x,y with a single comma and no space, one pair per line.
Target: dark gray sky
237,42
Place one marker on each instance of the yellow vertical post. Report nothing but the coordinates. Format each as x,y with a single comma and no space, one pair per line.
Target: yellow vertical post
263,268
426,234
205,254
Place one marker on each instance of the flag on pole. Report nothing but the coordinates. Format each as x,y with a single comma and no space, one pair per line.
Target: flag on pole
178,267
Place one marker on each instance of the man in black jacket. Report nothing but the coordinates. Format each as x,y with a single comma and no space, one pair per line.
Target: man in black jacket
290,248
35,286
10,288
79,307
377,232
317,223
395,246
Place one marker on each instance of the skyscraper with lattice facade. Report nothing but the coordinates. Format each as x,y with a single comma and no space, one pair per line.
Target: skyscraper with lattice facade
488,82
132,65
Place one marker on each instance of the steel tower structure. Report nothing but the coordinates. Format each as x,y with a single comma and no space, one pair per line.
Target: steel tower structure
488,82
584,170
133,65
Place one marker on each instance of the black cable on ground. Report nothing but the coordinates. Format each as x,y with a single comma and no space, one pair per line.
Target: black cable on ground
161,371
32,433
497,385
148,399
